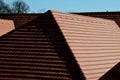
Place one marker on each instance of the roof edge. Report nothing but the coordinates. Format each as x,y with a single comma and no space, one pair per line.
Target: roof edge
95,12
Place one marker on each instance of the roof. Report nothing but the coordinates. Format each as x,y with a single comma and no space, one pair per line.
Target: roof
58,46
37,51
19,19
112,74
8,26
94,42
106,15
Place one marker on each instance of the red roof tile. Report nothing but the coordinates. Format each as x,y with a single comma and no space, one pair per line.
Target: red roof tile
19,19
36,51
59,46
106,15
113,74
94,42
6,26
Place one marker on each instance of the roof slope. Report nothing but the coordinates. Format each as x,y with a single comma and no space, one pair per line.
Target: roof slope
8,26
94,42
113,74
107,15
57,46
37,51
19,19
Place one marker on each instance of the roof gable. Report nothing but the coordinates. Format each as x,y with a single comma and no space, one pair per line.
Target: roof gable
94,42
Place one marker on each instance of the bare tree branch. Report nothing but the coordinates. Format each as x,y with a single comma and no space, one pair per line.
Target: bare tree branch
19,6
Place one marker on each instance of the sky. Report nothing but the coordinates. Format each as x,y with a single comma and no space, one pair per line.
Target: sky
72,5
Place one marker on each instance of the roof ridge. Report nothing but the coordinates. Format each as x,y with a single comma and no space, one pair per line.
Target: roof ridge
90,17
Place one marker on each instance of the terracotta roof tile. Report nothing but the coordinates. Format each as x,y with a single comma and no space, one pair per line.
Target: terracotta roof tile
37,51
94,42
106,15
59,46
6,26
113,74
19,19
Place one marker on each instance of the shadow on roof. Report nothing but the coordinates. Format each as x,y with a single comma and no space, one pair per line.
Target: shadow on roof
112,74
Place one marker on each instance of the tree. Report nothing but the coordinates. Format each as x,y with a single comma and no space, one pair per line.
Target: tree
4,8
19,6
